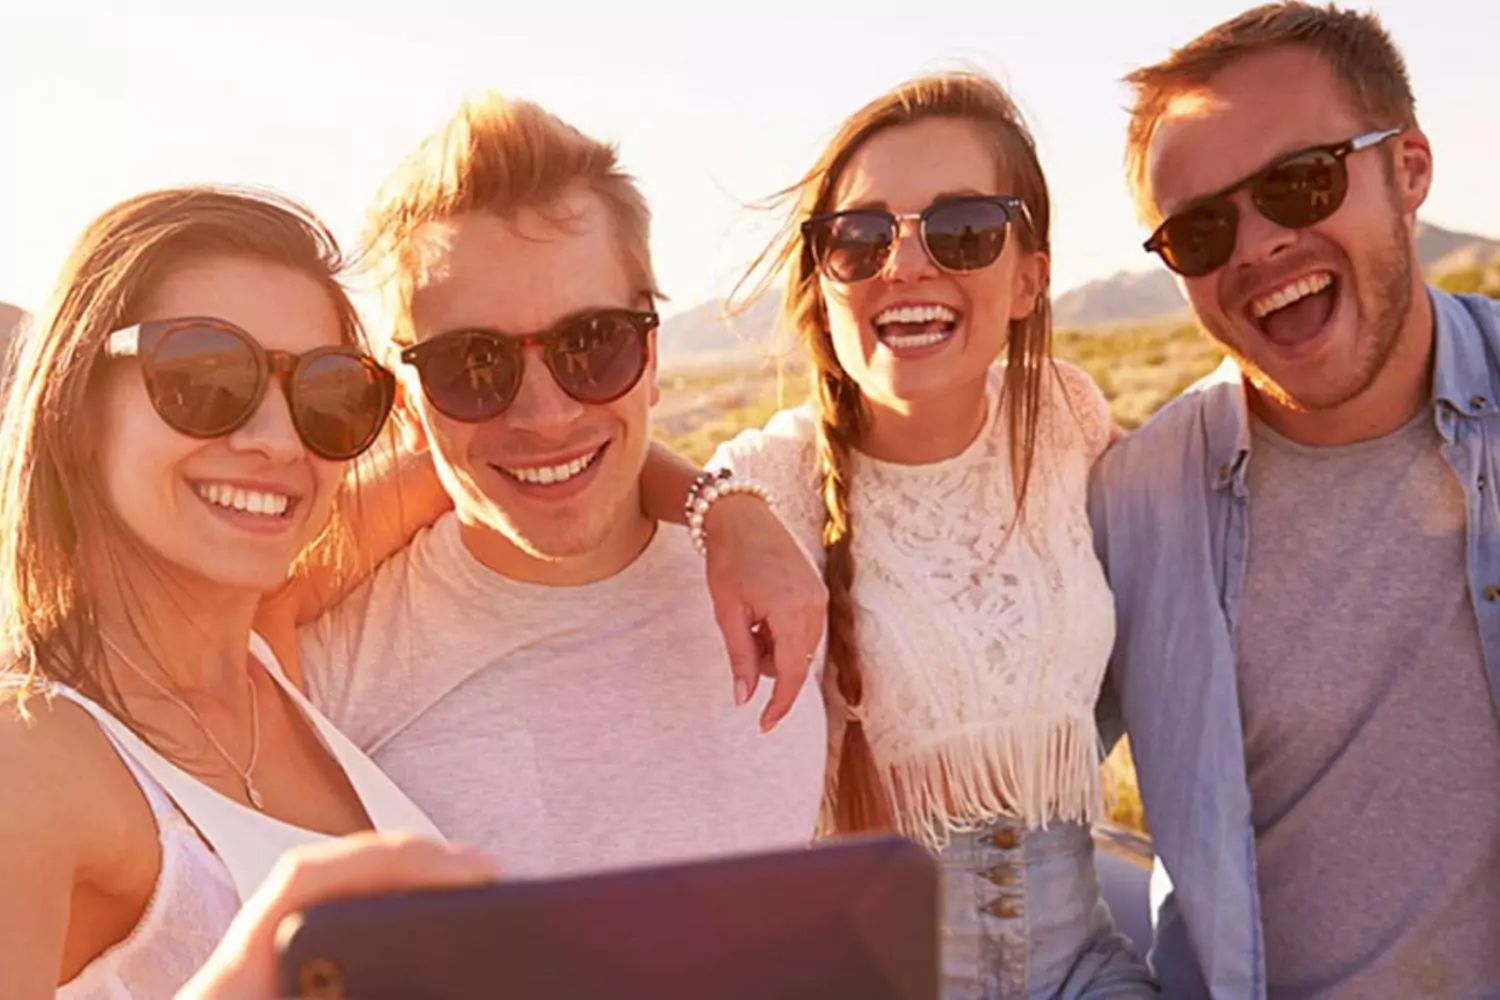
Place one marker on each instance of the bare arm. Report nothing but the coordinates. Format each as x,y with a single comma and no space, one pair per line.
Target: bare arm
38,840
397,494
769,599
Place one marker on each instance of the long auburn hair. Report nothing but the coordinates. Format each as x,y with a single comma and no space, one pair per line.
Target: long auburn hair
858,799
60,538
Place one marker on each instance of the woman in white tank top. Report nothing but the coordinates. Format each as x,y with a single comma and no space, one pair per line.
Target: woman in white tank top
177,432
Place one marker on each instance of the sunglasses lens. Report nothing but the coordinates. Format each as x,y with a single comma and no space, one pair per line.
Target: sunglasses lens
204,380
965,235
599,358
1199,240
853,246
340,402
470,377
1302,191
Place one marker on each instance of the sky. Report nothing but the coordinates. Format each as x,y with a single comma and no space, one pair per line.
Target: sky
712,112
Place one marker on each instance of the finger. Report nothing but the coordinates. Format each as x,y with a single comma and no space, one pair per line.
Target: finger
244,962
743,650
793,655
381,863
364,864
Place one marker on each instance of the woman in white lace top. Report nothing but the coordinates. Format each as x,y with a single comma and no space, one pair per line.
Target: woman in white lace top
940,470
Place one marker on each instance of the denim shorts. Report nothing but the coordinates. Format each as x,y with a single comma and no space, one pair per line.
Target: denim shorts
1023,919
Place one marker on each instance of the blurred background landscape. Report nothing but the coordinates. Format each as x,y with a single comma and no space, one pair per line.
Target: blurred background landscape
1131,332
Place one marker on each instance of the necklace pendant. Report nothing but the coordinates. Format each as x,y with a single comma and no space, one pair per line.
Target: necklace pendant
254,796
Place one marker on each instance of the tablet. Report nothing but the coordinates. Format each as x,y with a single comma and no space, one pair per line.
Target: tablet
854,918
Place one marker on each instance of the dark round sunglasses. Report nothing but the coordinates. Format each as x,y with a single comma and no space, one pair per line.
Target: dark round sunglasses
958,234
595,356
206,377
1296,191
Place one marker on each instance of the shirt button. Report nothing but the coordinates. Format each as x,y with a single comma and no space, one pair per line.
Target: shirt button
1477,402
1492,594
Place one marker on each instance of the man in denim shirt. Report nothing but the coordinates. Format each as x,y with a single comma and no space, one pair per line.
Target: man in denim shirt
1305,547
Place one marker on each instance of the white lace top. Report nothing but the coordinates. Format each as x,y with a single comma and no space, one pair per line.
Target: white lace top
982,656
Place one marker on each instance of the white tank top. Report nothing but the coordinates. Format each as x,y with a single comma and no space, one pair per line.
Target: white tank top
204,879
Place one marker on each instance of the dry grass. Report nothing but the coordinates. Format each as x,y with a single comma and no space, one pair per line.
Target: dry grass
1137,369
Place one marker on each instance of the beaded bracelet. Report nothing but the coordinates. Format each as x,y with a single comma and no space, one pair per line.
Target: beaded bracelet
709,487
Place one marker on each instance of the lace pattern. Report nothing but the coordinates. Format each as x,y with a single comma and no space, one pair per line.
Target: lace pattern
982,648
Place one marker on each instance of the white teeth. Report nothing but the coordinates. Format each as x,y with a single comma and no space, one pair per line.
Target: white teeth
249,501
917,314
1280,299
914,340
550,474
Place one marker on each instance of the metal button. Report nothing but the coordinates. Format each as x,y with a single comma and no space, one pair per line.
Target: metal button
1004,838
1002,908
1492,594
1477,402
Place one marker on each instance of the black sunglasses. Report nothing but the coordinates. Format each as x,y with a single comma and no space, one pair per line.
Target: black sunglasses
206,377
1296,191
959,234
474,375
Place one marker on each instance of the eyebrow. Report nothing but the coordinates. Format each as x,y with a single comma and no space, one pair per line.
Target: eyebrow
877,204
574,315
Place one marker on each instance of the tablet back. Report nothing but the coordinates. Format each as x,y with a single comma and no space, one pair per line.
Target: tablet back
852,919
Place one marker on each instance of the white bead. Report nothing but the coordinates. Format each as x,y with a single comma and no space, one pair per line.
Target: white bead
710,495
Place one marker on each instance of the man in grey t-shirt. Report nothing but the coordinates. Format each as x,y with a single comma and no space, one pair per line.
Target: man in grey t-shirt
1305,548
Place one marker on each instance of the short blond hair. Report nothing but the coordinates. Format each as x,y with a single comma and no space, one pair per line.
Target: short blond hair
1354,45
497,156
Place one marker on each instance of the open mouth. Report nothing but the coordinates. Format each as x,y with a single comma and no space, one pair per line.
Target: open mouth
264,504
1296,313
552,475
911,328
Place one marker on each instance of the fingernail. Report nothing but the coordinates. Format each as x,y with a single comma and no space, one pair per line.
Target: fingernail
741,692
767,723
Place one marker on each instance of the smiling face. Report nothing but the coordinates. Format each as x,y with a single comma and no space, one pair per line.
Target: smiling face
231,512
1313,315
916,331
550,480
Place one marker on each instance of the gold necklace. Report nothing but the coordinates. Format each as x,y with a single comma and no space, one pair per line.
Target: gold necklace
246,773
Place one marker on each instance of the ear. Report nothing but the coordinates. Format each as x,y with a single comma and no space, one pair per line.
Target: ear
408,419
1413,169
1033,270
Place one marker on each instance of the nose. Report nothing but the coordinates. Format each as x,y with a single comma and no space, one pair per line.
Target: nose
1258,239
270,431
908,260
541,407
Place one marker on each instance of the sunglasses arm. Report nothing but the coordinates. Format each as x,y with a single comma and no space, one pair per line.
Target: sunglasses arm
124,343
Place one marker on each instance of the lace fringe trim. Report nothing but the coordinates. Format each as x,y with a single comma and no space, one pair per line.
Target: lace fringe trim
1039,769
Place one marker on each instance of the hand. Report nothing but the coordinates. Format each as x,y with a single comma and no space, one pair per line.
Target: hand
769,600
243,966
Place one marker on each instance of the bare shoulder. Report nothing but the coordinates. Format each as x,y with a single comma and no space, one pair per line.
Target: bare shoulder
60,811
60,778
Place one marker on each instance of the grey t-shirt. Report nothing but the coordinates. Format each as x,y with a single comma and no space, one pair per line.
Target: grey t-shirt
565,730
1372,745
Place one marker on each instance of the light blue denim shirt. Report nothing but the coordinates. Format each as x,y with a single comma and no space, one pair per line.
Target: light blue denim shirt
1168,505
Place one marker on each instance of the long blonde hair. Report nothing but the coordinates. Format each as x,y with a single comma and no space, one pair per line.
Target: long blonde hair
858,799
56,523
